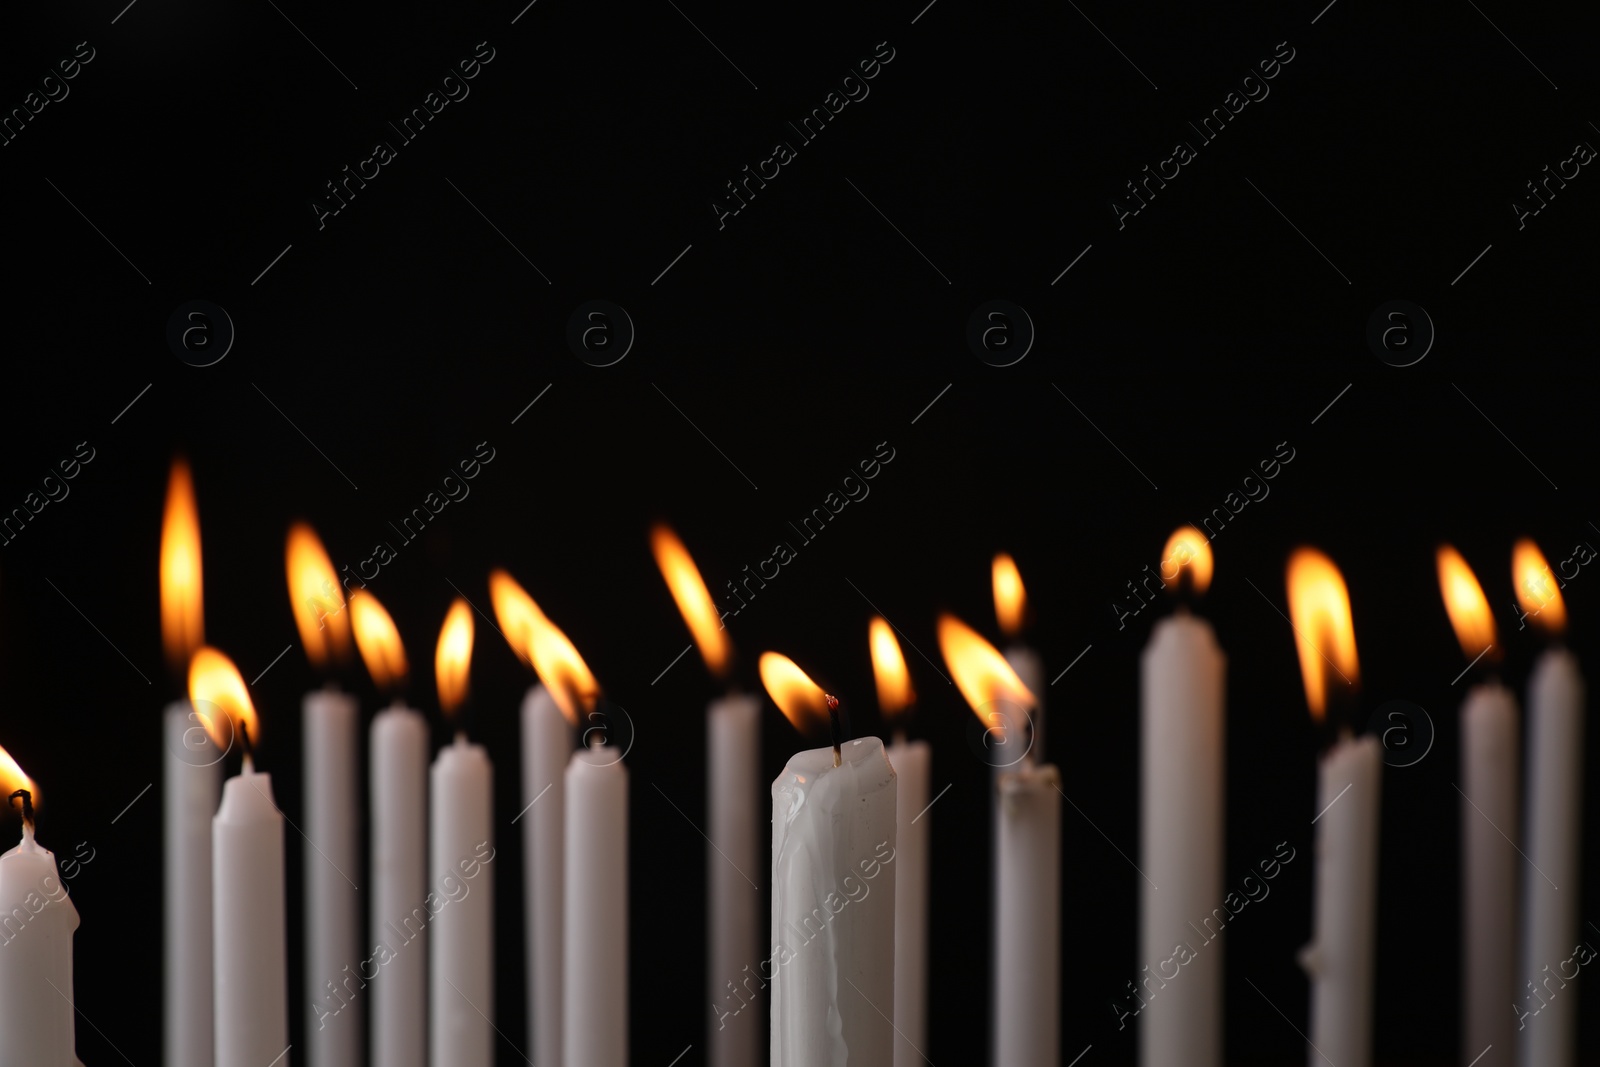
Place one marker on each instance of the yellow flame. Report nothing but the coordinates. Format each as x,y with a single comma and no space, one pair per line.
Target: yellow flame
1010,599
453,658
895,694
1319,611
221,700
515,611
1465,603
986,681
1537,589
540,644
12,779
378,640
182,614
1188,552
693,598
800,699
317,599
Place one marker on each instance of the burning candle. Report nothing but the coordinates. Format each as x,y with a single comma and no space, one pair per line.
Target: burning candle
251,981
461,807
594,1024
1339,959
1547,1011
1489,750
733,782
191,784
833,881
330,855
36,998
398,746
910,760
1182,748
1026,991
1011,612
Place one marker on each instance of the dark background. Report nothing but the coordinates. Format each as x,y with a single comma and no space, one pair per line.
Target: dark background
380,350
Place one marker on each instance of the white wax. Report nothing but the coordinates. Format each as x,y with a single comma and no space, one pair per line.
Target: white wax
1029,669
1181,813
733,956
1339,960
595,1013
546,745
37,919
461,944
1027,981
251,981
400,918
1550,908
191,784
910,760
833,878
331,861
1489,862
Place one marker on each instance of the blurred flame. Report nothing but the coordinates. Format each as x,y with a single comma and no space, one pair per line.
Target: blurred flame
986,681
540,644
1465,603
800,699
1010,599
1537,590
453,657
377,640
895,694
1189,551
217,690
316,598
182,614
516,612
1319,612
694,599
12,779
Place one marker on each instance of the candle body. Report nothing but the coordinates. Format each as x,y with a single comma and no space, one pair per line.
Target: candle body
1030,671
1489,861
331,862
1550,917
461,943
910,760
833,886
733,783
546,746
1027,981
595,1020
37,919
251,984
191,784
1339,961
1182,812
400,918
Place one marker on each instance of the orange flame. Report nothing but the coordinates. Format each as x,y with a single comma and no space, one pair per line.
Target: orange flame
378,640
694,599
182,614
453,657
1465,603
1189,552
895,694
1537,589
986,681
540,644
1319,612
516,612
12,779
1010,599
800,699
220,699
316,598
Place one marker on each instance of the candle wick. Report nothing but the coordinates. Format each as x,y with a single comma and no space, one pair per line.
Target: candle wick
834,728
27,809
461,737
899,737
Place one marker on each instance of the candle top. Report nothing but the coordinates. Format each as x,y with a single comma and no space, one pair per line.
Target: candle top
811,778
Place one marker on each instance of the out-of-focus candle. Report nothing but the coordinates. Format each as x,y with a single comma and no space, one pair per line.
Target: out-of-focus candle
595,1008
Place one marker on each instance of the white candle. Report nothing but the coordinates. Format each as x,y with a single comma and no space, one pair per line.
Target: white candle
1027,985
595,1014
1181,809
400,918
833,877
191,784
461,946
251,986
546,745
37,920
733,784
1546,1001
1489,861
1030,671
331,861
910,760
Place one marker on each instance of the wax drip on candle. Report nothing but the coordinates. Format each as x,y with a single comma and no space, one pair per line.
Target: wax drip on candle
27,809
840,733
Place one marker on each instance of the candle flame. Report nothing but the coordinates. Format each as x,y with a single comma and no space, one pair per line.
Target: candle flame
1319,612
895,694
693,598
801,700
221,700
540,644
378,640
1465,603
182,614
516,612
1537,590
1188,554
12,779
316,598
1010,599
986,681
453,657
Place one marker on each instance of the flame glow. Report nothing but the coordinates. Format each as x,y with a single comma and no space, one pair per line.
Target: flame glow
516,612
800,699
182,615
12,779
317,599
1465,603
694,599
218,693
1319,611
540,644
1537,590
377,640
1188,552
895,694
453,658
1010,599
986,681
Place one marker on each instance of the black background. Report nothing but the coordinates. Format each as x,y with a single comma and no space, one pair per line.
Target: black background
778,351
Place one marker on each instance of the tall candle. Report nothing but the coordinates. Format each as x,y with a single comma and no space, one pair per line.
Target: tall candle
331,861
191,785
546,745
461,944
37,1016
1027,987
733,863
1489,861
399,811
595,1005
911,760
